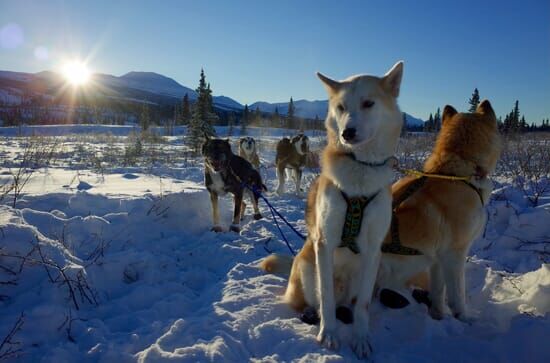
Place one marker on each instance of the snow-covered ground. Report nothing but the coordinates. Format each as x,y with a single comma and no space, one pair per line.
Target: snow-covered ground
116,263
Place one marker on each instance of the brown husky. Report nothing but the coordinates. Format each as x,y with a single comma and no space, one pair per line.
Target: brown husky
338,264
441,217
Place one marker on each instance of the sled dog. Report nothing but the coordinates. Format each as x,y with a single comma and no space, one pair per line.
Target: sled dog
291,154
247,151
348,207
226,172
438,218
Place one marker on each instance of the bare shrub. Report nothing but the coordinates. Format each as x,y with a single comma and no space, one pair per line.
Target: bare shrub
73,279
526,158
10,348
413,149
37,152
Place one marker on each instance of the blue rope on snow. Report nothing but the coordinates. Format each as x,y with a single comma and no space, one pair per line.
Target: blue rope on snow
274,214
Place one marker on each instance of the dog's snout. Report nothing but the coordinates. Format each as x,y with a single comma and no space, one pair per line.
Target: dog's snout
349,134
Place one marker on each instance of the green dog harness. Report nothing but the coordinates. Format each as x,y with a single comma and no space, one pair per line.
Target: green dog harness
353,220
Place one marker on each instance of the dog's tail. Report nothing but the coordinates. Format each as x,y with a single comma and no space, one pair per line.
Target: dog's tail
277,264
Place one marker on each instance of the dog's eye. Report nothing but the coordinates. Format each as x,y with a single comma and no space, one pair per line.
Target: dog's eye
340,107
367,104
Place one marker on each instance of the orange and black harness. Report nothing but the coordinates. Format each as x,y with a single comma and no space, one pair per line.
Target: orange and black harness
356,207
395,247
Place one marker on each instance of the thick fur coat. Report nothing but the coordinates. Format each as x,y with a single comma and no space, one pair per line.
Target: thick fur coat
443,217
365,121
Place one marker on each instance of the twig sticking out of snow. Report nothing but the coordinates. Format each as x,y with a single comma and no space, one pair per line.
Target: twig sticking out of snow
77,284
9,348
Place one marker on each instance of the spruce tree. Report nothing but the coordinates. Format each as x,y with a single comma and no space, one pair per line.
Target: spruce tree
257,116
277,118
185,112
515,117
203,118
428,125
144,117
523,127
230,123
474,101
177,114
437,120
245,120
290,113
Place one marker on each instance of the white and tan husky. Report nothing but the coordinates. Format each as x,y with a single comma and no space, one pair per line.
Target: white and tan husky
363,126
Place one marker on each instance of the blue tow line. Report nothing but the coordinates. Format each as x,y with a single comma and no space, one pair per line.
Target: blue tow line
274,214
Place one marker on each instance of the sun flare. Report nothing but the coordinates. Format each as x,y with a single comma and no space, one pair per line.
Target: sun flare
76,73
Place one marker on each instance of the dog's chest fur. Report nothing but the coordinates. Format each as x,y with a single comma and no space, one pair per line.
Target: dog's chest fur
293,160
356,179
216,182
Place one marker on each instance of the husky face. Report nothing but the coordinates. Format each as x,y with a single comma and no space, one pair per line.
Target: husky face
301,143
360,106
217,154
248,144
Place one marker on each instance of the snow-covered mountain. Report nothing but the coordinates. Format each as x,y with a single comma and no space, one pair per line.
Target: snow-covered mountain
132,85
313,109
154,87
155,83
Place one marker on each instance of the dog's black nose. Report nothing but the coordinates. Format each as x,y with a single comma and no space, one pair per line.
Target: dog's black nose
349,134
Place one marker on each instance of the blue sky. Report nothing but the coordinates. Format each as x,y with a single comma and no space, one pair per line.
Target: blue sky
270,50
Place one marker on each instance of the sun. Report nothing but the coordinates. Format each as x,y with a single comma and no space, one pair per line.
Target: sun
76,73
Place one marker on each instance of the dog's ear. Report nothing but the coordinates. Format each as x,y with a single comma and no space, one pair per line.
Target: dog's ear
486,109
448,112
331,85
391,81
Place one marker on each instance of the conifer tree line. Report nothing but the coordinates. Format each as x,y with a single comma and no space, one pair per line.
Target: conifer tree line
200,115
514,122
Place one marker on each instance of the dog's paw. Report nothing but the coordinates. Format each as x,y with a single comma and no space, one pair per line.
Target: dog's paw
436,314
310,316
235,228
422,297
344,314
328,339
258,216
465,318
393,299
360,344
216,229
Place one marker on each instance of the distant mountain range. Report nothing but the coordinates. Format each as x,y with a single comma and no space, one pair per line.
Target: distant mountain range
313,109
146,87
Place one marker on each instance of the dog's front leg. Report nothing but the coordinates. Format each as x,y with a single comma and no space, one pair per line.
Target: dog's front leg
215,212
298,179
238,199
325,281
281,178
370,260
257,214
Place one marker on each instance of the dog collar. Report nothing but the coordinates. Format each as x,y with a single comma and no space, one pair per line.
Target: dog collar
372,165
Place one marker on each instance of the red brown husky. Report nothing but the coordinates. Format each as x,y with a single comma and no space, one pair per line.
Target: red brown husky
442,217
